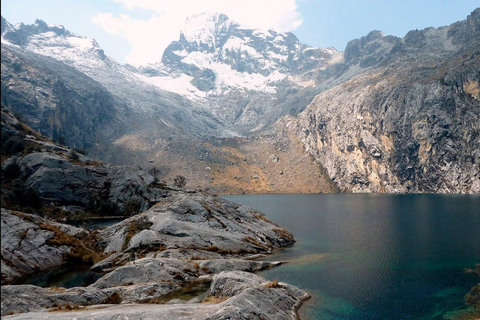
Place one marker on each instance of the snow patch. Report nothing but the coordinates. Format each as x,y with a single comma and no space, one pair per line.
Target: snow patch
82,43
237,44
199,59
180,53
180,85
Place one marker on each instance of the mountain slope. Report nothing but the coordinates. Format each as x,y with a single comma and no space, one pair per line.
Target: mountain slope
57,100
387,115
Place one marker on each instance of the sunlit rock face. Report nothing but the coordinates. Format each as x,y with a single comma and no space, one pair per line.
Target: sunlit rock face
409,121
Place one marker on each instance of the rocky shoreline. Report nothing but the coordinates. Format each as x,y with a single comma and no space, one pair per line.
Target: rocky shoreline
179,254
190,256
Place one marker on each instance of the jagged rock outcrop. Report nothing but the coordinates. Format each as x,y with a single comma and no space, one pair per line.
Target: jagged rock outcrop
241,74
187,239
172,270
30,244
70,180
55,178
28,298
195,223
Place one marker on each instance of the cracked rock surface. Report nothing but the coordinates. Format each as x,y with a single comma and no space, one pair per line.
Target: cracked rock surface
25,244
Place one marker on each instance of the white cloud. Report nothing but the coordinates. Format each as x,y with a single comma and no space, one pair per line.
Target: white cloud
150,37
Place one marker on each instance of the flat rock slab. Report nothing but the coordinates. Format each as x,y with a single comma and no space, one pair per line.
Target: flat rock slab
233,295
149,270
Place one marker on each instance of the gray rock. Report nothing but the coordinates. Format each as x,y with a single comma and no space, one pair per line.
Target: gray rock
220,265
184,253
25,244
194,222
149,270
169,270
232,295
27,298
57,179
149,292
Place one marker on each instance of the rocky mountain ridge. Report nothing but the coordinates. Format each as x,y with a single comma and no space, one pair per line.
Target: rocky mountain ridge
222,81
199,264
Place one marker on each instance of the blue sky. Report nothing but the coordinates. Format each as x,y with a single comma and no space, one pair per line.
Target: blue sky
136,31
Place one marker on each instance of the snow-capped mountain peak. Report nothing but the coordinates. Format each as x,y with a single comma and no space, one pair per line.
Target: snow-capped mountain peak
56,42
217,63
206,30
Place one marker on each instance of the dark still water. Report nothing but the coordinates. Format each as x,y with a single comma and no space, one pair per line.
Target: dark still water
377,256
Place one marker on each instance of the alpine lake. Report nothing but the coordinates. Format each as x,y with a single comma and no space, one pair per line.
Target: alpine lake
363,256
377,256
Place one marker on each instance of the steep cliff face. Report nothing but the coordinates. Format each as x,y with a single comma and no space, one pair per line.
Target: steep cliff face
409,121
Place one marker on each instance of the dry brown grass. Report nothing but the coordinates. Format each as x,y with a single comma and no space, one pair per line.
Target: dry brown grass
23,234
283,233
80,249
205,269
22,215
214,299
114,298
255,242
178,276
58,289
273,284
212,249
472,88
261,217
66,307
94,163
196,258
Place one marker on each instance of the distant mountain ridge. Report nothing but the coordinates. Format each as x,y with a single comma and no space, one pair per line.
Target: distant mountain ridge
222,81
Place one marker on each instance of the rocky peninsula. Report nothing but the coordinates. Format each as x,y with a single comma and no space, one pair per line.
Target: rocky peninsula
188,244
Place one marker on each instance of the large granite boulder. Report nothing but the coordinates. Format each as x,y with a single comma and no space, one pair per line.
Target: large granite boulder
64,181
171,270
193,222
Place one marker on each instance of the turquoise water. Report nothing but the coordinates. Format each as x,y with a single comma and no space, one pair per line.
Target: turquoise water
377,256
